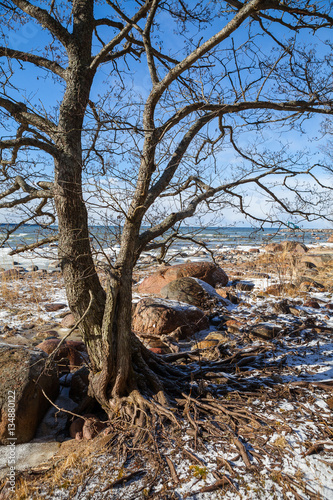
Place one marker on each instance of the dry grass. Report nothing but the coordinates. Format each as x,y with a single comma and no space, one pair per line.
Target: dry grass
28,289
281,442
68,469
282,264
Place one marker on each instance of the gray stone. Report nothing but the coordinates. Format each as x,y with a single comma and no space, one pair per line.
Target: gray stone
191,291
318,260
265,331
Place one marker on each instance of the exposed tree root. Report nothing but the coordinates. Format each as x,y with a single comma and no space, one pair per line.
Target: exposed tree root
146,447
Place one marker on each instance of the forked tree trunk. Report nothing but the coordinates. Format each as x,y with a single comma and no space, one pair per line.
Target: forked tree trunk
119,363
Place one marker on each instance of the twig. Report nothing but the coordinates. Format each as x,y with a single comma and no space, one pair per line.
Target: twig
123,479
222,462
242,451
193,456
53,353
212,487
58,408
172,470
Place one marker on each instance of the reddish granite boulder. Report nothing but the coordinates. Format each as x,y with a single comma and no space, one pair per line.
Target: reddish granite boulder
160,317
71,352
22,402
205,271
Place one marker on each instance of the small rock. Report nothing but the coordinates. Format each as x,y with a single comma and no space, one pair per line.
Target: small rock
282,307
92,427
217,336
227,294
287,246
10,273
234,325
280,289
68,321
86,428
306,283
71,352
265,331
312,303
32,268
205,344
244,286
295,312
158,347
54,307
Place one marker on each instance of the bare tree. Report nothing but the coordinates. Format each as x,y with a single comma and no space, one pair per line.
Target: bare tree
259,72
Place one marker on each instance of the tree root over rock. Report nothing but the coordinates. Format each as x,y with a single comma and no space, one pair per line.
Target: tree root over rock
159,436
150,457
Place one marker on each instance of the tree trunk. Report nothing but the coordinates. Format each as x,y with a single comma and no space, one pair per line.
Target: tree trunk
120,365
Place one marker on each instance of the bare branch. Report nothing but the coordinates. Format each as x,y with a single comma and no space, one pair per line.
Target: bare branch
33,193
186,63
105,51
45,20
29,142
34,59
21,114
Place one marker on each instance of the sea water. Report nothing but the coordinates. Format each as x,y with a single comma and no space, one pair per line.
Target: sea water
106,239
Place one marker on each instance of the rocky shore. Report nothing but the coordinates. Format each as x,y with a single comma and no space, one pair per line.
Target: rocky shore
262,317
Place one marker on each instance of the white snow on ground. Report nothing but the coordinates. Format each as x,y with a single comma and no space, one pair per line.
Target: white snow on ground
302,359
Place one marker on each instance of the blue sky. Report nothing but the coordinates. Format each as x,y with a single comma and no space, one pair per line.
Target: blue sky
38,88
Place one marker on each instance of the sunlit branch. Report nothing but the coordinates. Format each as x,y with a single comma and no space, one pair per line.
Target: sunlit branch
20,112
39,61
45,20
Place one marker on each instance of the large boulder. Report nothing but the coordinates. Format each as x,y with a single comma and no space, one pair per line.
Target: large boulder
191,291
159,316
206,271
287,246
318,260
22,402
